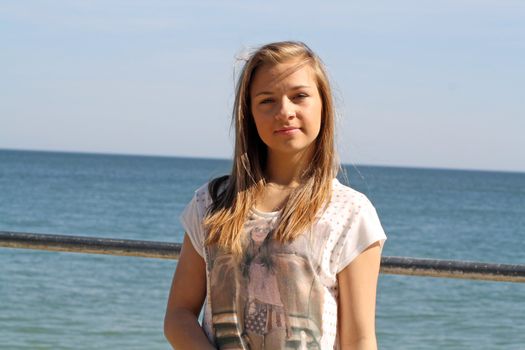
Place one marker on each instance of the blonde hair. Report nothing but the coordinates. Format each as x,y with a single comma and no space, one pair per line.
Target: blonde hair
234,195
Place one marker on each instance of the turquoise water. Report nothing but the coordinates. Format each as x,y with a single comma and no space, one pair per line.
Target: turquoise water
54,300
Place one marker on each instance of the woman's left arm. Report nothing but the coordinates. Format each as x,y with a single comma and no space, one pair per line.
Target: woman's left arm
357,300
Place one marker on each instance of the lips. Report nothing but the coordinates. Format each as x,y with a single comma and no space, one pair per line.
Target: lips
287,130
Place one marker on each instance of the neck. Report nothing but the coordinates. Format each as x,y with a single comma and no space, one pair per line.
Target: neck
285,169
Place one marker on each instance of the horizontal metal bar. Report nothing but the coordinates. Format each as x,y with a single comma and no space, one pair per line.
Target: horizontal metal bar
472,270
164,250
91,245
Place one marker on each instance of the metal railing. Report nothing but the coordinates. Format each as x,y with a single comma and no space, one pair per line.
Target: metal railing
164,250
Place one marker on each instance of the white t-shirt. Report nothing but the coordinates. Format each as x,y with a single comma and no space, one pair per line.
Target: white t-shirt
282,296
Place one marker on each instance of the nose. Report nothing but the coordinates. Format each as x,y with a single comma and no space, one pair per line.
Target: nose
286,110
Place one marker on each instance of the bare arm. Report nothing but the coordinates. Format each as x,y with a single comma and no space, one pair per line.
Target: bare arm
357,300
188,290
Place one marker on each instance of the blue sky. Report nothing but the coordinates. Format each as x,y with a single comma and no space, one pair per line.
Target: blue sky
417,83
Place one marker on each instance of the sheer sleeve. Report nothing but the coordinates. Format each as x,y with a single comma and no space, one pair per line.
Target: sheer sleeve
364,229
191,219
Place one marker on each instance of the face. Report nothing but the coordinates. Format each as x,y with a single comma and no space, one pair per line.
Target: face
286,107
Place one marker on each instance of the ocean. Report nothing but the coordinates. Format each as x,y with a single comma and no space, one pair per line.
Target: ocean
52,300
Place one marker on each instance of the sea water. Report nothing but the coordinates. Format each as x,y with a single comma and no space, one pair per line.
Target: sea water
52,300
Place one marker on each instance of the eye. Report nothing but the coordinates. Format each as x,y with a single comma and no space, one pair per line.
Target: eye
301,96
266,101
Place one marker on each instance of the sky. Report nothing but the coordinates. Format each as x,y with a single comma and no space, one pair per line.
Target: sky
421,83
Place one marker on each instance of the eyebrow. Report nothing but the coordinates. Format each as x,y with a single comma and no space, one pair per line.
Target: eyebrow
297,87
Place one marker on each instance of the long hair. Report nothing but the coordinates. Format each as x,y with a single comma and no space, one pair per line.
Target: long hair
233,195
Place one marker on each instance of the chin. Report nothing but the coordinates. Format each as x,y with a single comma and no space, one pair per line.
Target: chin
293,151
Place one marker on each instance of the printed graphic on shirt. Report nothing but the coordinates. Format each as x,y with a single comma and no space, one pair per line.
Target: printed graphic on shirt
271,298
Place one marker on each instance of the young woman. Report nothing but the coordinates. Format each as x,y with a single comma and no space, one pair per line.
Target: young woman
280,253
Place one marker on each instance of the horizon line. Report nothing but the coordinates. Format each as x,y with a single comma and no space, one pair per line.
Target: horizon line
229,159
